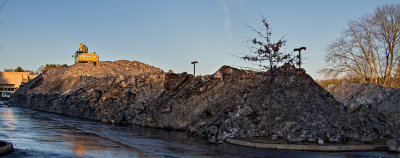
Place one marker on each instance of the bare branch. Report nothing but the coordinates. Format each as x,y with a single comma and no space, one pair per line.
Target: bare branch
268,54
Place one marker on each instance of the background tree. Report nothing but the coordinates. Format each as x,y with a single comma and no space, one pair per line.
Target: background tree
267,53
18,69
369,48
50,66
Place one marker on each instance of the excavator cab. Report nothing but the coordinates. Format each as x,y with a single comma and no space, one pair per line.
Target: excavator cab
82,55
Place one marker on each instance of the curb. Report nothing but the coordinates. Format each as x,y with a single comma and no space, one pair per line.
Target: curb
307,147
5,147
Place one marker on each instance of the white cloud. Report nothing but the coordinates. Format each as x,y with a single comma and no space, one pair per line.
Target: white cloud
227,18
226,6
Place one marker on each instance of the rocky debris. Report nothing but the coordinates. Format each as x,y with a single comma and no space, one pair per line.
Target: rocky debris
355,96
320,141
217,75
284,104
393,145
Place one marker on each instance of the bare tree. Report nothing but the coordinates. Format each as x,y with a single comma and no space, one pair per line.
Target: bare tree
369,48
267,53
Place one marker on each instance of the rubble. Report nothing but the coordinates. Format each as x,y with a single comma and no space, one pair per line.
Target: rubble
284,104
355,96
393,145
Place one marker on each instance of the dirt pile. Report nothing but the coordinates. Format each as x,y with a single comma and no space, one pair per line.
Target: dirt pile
362,99
285,104
355,96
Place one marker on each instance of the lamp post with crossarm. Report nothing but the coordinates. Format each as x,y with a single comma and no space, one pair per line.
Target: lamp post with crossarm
194,67
299,50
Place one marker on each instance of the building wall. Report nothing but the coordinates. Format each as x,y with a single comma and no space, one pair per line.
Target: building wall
10,81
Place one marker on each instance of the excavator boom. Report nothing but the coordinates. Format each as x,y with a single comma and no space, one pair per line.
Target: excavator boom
83,48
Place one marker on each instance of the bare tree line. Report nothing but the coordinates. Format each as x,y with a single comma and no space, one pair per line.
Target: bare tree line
369,48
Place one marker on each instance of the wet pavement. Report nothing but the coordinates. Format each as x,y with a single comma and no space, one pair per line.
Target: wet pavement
41,134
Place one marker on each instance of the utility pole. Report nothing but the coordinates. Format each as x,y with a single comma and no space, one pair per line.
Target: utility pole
299,50
194,67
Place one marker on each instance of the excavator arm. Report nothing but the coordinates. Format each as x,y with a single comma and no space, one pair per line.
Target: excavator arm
83,48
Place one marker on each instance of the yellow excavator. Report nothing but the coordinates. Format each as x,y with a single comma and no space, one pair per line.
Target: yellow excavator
82,55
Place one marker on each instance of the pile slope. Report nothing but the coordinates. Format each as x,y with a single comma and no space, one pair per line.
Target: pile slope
285,104
355,96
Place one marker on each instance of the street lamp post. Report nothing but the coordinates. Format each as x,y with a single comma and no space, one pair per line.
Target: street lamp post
299,50
194,67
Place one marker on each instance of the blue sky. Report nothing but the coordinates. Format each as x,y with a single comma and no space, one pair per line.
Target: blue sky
169,34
